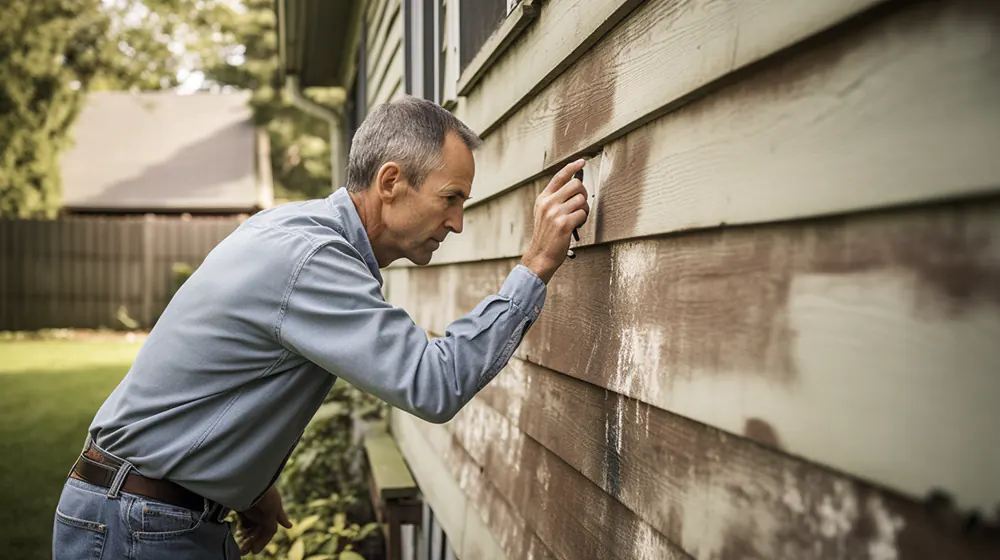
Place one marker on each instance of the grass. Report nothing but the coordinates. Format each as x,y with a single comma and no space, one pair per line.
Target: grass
50,392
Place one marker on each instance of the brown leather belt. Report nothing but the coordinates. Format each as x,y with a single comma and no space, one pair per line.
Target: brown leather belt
96,469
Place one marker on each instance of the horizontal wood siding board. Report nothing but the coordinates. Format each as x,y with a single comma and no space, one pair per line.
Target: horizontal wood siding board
714,494
564,31
907,117
662,57
392,75
376,14
464,504
397,91
438,490
506,524
511,27
388,92
389,67
387,37
571,516
864,343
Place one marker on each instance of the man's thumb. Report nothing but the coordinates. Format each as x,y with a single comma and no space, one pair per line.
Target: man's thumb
283,518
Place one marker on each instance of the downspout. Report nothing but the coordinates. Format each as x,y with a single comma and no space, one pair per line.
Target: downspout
334,117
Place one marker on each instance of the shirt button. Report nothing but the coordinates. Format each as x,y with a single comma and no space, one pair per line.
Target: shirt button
537,310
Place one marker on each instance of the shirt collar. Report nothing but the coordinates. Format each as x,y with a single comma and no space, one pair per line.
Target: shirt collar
353,230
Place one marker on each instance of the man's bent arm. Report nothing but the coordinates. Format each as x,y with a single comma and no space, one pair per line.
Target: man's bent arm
334,315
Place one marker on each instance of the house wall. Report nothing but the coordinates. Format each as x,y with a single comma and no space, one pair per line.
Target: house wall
778,338
384,44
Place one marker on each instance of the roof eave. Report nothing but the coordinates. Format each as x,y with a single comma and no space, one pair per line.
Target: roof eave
316,39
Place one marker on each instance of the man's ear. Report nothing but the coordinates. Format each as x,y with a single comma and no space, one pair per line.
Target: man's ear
388,180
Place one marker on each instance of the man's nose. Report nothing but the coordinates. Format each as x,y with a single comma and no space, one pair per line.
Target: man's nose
454,222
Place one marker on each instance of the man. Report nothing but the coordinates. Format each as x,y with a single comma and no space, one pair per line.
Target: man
249,347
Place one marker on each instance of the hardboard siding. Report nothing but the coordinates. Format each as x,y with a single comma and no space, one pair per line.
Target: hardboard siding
908,59
866,343
715,494
895,111
778,337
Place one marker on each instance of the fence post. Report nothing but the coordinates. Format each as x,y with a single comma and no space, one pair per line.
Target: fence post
147,271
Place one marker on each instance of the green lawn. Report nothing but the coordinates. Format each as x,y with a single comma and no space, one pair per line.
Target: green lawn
49,392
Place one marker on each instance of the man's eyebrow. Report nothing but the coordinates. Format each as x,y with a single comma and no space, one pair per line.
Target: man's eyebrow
457,192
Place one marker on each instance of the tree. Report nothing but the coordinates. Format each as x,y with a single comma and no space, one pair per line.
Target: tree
50,52
248,59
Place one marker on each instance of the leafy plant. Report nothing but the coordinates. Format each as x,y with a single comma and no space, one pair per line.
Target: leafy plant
324,535
323,486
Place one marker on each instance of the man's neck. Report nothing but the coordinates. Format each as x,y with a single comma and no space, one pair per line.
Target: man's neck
370,211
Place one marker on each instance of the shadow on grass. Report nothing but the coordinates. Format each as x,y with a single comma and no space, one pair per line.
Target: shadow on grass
44,416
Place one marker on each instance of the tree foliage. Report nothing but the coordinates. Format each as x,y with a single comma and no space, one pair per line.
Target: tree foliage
52,52
300,149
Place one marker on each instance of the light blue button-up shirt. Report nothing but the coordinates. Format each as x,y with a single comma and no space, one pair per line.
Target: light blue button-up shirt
251,344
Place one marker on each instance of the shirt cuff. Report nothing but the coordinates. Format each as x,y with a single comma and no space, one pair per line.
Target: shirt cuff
526,290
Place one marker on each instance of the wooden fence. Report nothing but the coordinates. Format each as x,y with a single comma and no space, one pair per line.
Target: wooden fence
97,272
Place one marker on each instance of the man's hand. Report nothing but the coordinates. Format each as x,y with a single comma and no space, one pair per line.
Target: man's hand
259,523
561,207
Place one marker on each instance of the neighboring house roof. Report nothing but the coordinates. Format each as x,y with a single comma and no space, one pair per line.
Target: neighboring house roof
165,152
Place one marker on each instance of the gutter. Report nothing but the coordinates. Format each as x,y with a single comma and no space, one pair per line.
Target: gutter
333,117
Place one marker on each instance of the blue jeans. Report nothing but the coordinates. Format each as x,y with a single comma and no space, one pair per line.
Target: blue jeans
94,523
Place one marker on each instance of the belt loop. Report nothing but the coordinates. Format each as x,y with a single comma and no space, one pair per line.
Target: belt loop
86,447
214,512
116,484
206,509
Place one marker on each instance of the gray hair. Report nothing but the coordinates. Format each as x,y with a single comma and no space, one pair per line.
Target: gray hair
409,131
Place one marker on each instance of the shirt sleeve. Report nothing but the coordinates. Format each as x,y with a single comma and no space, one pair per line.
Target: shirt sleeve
336,317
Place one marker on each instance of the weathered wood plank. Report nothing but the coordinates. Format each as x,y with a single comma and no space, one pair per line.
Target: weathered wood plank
569,514
494,46
389,36
440,491
477,542
393,77
375,15
866,343
908,86
390,67
450,42
736,158
397,91
562,32
389,93
492,528
390,475
712,493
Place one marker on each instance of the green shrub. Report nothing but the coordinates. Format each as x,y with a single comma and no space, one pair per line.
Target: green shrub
323,486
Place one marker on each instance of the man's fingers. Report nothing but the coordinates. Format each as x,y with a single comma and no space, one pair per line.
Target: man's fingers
563,176
578,218
578,201
283,519
569,190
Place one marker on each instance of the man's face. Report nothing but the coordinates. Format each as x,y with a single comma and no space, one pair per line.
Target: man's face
418,220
